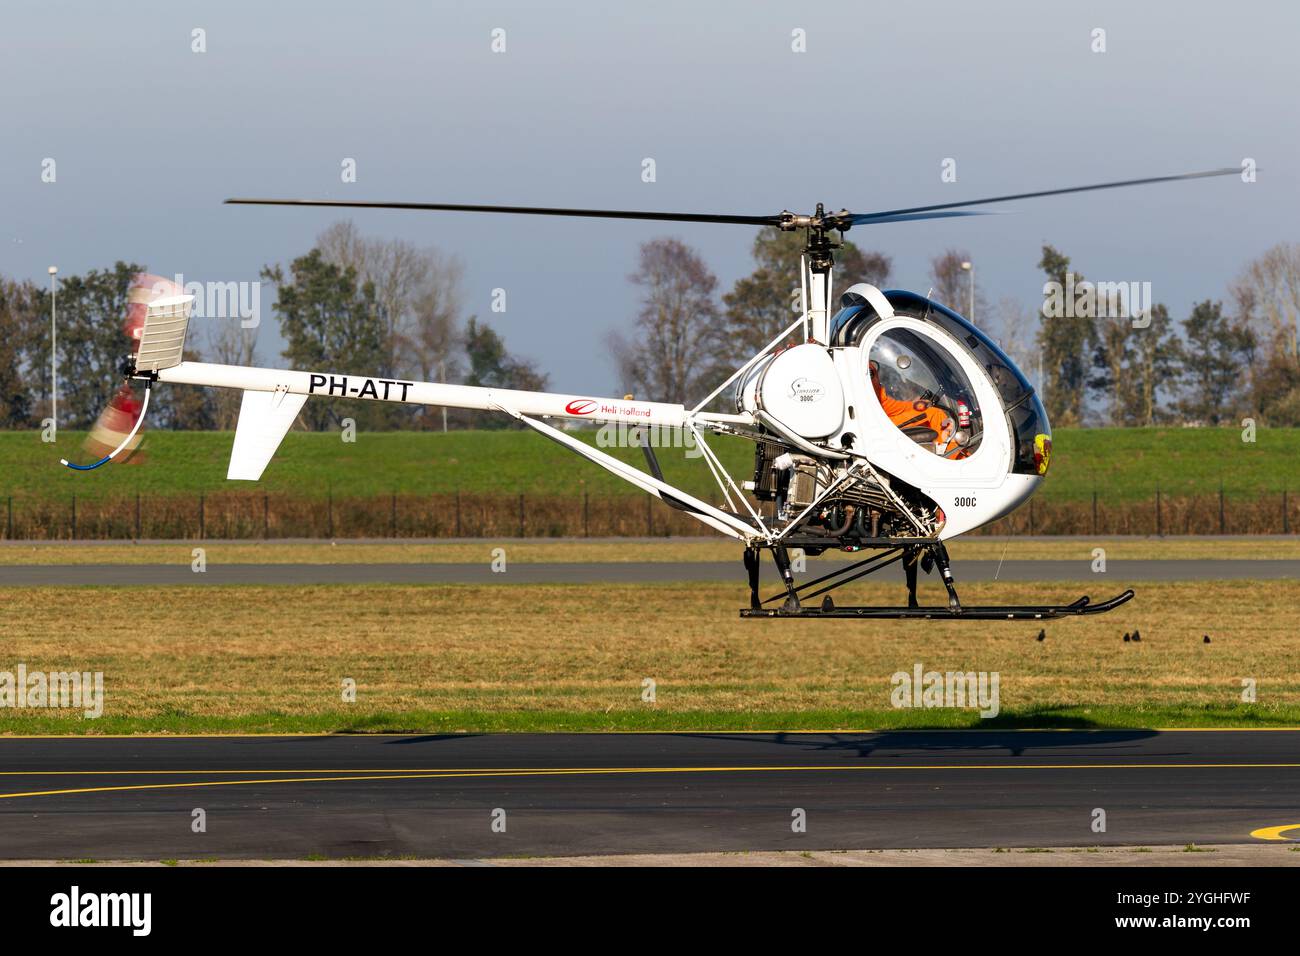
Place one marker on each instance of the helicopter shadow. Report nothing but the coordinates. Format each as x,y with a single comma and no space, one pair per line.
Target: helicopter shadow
1016,742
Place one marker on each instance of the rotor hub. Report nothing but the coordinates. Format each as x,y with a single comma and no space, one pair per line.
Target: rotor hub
820,221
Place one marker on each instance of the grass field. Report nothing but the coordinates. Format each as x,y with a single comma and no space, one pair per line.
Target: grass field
523,657
1120,464
618,550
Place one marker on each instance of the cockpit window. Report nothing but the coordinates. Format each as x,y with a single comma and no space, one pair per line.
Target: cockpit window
1025,416
925,393
1032,436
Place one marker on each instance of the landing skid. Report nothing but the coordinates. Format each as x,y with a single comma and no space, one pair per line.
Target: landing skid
925,553
962,613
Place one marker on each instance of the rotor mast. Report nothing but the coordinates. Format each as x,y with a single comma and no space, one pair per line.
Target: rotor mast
819,254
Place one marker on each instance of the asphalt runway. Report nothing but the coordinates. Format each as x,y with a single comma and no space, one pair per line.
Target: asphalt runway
577,794
1122,573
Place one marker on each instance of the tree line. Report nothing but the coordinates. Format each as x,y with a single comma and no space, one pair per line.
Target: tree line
383,307
1098,354
392,309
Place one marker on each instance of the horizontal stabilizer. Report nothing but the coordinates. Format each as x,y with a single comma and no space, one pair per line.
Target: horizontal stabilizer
264,418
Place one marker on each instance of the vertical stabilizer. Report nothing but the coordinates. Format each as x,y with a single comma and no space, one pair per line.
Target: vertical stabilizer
264,418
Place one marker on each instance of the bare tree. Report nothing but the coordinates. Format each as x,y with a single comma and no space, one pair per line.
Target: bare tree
229,343
952,284
664,358
431,339
431,336
418,291
1267,294
1015,329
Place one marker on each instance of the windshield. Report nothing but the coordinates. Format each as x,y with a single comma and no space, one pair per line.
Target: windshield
1007,379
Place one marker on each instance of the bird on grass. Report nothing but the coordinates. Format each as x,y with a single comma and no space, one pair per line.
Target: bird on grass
1205,639
1042,635
1137,635
1127,638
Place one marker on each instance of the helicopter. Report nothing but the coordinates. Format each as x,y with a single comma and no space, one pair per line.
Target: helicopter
889,425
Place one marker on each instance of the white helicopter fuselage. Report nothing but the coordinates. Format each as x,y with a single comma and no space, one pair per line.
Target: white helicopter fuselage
815,397
885,427
888,427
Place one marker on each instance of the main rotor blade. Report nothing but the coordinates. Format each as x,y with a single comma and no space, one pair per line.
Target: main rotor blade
902,216
910,214
888,215
522,210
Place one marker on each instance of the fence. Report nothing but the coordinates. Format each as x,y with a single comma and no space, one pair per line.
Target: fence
1161,514
240,515
244,516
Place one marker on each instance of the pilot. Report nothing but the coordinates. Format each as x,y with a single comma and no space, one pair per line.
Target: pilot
920,420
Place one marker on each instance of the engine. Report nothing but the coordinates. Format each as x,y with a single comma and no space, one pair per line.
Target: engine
864,509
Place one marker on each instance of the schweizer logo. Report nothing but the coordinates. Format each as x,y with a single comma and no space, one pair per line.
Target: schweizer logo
581,406
807,390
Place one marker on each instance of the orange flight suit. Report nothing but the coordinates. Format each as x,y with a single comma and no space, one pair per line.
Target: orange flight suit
920,413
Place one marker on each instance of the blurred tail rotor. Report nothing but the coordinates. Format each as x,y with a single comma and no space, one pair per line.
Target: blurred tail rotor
116,433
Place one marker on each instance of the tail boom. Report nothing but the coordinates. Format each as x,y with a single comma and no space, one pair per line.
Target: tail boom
328,385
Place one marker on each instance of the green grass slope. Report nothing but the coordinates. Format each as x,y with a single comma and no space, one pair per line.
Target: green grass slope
1120,464
316,463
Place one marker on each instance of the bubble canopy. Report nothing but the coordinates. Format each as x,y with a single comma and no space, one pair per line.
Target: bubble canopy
1025,414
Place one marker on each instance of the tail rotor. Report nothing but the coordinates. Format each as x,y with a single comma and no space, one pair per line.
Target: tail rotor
116,433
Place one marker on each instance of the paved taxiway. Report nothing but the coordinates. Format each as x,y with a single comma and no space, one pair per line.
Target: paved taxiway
572,794
1122,573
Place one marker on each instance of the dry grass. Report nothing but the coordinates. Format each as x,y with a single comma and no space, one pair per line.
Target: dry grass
522,656
531,551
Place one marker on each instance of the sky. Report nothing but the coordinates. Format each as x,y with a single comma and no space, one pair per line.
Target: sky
148,138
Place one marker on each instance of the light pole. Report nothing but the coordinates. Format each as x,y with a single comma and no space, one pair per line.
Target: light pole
970,309
54,355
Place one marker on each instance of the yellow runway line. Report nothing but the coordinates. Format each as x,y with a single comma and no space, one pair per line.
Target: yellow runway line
339,776
382,771
1274,833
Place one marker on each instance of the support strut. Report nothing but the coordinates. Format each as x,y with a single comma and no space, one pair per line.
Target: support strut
782,558
945,572
910,558
752,569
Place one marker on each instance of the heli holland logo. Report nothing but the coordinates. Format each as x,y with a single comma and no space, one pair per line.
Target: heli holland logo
581,406
806,390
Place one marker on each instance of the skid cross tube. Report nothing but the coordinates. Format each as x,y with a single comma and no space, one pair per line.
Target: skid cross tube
839,572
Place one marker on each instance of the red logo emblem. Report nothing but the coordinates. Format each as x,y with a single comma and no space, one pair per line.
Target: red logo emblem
580,406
